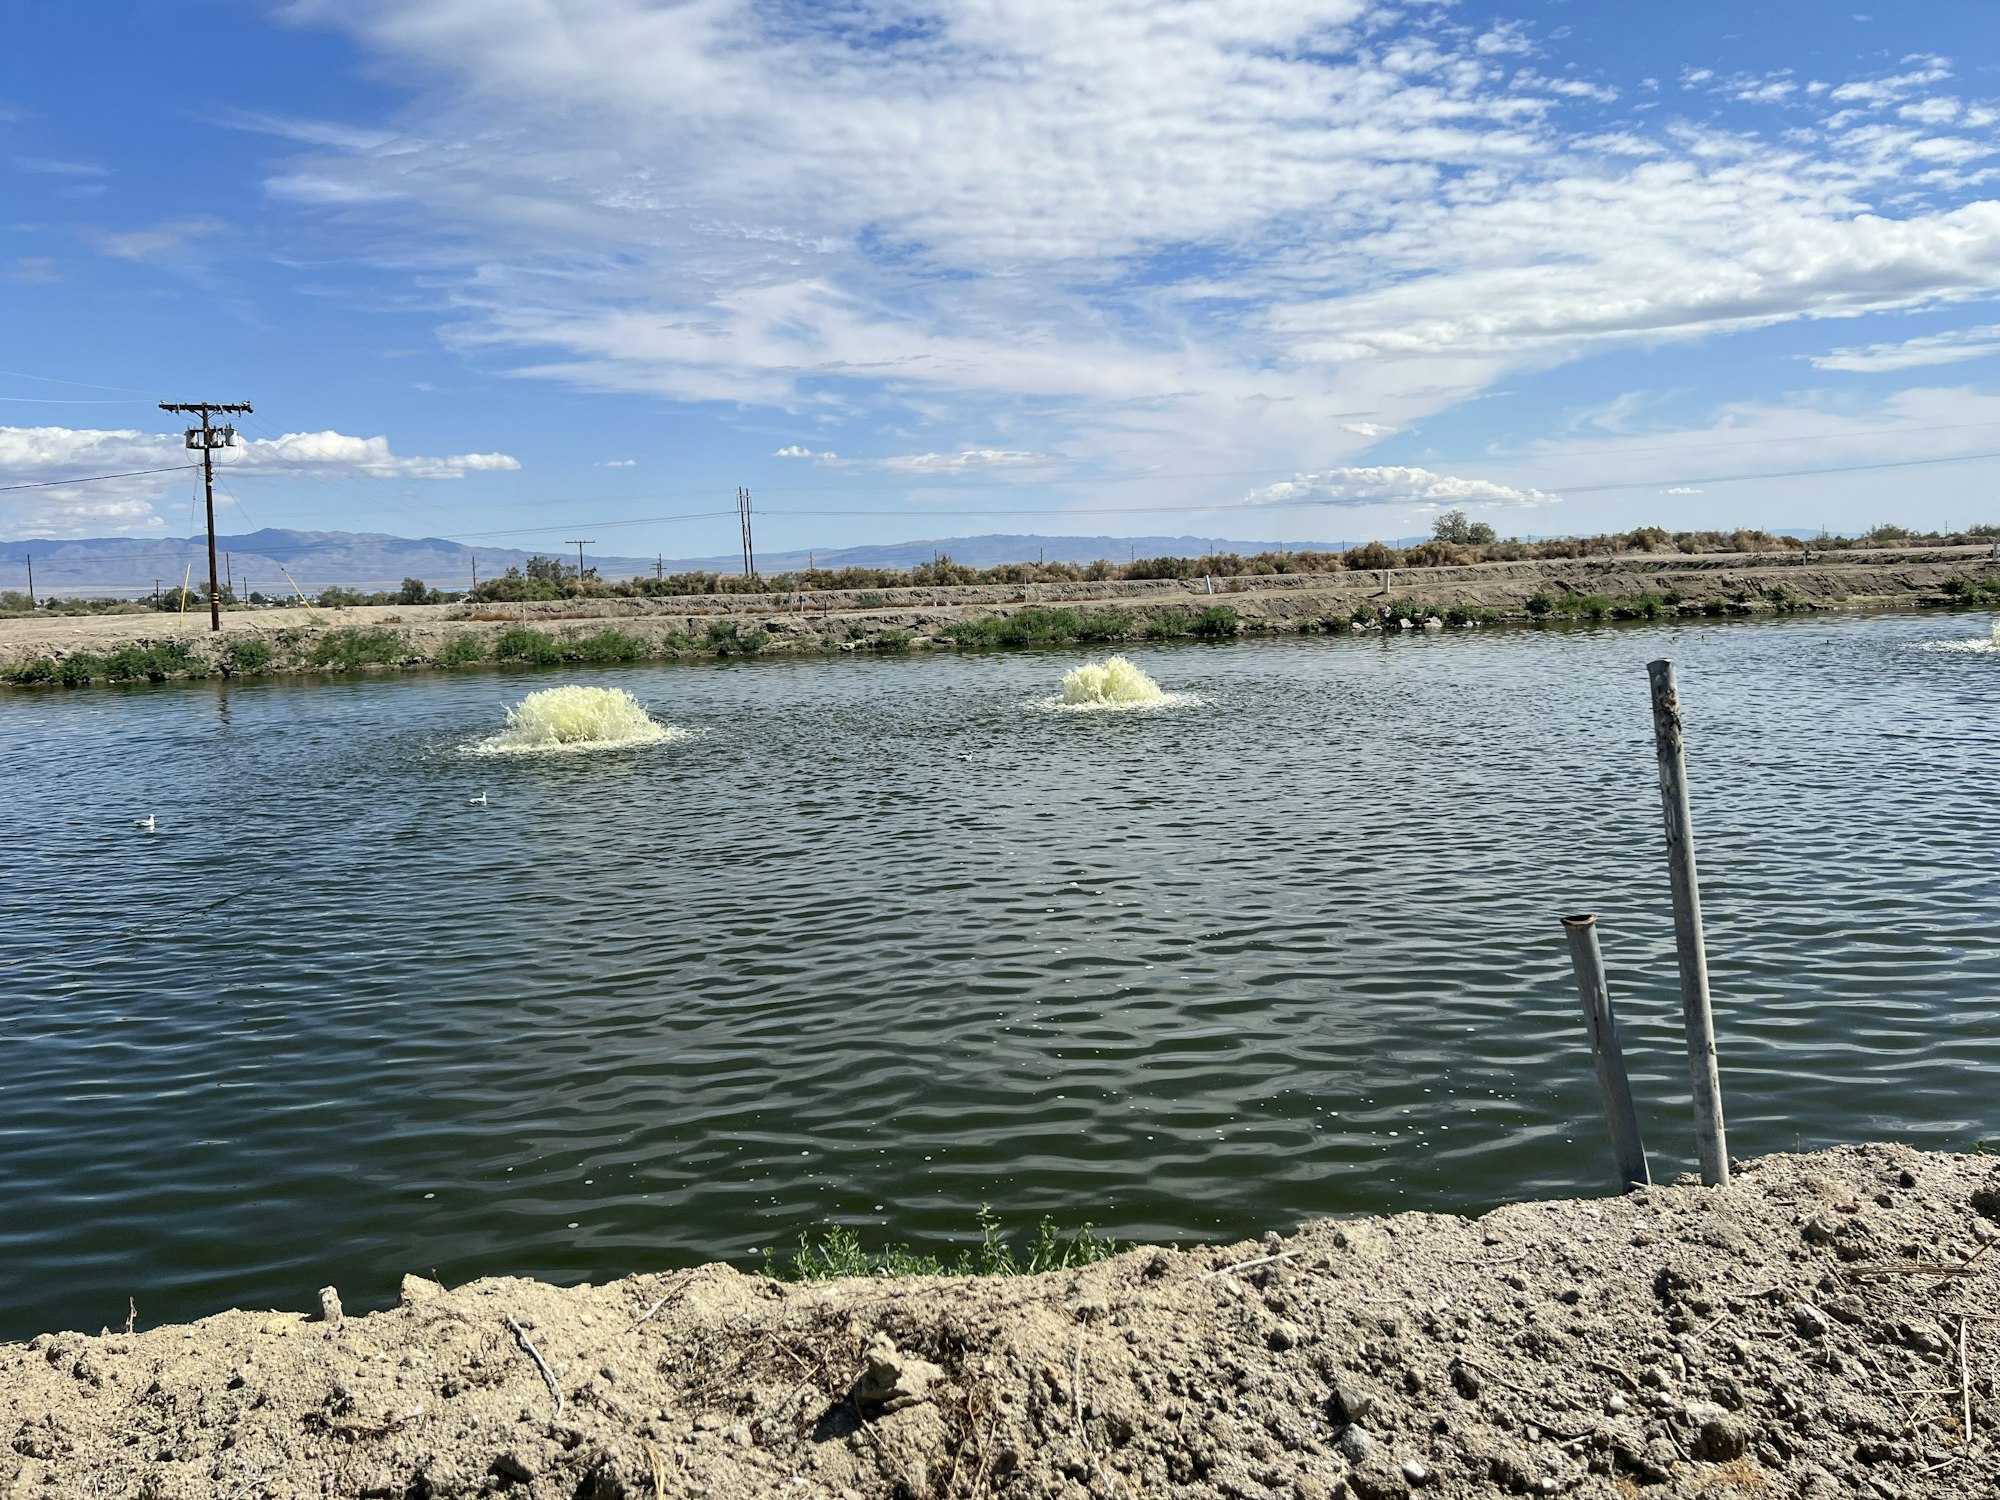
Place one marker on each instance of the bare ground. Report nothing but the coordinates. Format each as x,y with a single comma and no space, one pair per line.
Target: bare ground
1704,584
1825,1326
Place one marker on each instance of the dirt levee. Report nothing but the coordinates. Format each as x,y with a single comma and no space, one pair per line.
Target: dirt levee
1823,1327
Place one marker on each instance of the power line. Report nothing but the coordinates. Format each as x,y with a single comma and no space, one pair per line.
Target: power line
49,484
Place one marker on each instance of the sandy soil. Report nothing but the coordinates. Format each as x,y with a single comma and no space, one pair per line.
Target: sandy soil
1733,583
1823,1327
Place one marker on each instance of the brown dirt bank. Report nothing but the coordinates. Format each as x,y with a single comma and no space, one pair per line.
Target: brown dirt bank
1823,1327
292,641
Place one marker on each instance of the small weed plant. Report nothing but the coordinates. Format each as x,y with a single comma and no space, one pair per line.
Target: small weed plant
837,1251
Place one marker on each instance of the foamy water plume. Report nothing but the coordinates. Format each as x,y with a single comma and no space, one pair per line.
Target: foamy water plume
1112,684
575,718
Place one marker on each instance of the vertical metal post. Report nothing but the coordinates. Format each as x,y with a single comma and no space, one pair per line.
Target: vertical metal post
208,494
1688,945
1605,1053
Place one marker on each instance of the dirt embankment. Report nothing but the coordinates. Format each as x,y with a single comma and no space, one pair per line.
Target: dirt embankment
1823,1327
296,640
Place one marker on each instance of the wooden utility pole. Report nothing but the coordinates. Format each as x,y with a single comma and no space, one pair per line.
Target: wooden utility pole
749,547
229,575
208,438
475,574
31,580
579,558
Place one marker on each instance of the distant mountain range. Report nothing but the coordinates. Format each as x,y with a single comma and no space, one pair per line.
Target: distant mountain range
262,560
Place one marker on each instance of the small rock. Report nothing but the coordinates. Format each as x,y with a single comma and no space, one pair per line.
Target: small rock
417,1289
1352,1401
1283,1335
1415,1472
329,1307
1810,1321
1357,1443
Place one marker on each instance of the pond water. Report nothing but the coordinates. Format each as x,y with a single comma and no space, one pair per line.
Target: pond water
882,940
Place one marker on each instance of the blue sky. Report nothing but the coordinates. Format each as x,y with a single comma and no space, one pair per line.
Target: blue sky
1266,269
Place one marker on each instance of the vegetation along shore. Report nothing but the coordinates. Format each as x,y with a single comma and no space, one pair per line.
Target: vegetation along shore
598,624
1821,1327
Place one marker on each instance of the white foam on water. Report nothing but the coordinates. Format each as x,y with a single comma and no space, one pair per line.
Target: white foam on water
566,719
1114,685
1988,645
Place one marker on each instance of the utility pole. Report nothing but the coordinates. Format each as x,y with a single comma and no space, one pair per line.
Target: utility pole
749,547
229,575
156,593
475,575
579,558
31,580
208,438
659,566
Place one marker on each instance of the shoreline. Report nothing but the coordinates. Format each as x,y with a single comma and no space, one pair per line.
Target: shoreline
1821,1327
76,650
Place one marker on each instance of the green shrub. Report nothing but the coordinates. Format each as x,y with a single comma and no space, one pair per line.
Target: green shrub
838,1252
606,645
1973,590
156,663
350,650
1107,625
1541,603
462,650
1216,620
1644,606
726,638
1169,625
519,643
35,673
76,669
892,640
249,656
870,601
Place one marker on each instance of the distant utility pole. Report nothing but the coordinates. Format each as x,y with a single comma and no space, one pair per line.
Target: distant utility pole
156,593
579,558
31,580
229,574
749,547
475,575
659,566
208,438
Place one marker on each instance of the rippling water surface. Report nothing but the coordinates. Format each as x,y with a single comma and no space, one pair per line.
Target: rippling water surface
880,942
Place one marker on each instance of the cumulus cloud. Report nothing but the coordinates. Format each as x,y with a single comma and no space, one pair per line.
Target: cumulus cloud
57,461
1394,485
1950,348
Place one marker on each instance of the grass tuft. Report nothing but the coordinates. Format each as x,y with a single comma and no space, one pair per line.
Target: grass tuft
837,1251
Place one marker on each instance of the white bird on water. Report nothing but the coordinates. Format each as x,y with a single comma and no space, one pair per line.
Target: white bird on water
479,801
149,822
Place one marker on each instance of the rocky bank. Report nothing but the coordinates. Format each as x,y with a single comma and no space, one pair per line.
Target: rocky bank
1825,1326
291,641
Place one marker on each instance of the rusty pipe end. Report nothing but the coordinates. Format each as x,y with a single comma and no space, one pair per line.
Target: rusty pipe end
1586,919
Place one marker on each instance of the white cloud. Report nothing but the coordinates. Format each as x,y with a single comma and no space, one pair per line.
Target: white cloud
619,463
1181,235
163,241
49,167
796,450
49,456
965,461
1950,348
1394,485
1683,489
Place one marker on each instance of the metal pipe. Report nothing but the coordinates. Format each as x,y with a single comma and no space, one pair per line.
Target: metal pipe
1605,1053
1688,945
